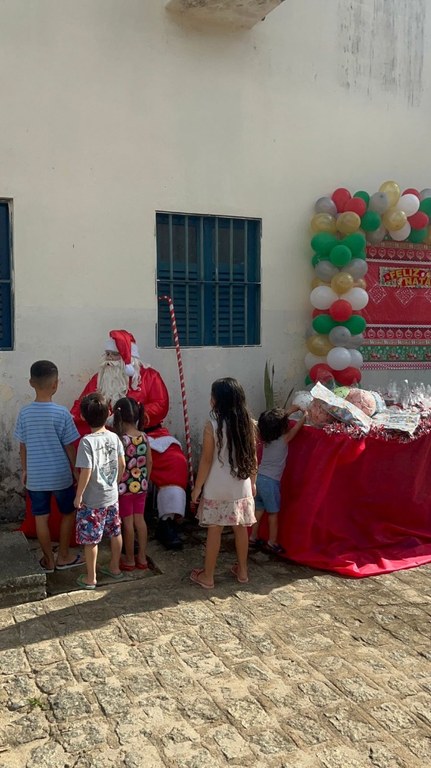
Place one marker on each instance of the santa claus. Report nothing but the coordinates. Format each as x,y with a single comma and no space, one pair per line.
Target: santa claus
122,374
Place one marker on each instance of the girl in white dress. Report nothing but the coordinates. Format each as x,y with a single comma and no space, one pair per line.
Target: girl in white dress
226,478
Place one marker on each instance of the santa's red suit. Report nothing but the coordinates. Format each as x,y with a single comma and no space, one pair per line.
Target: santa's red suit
169,466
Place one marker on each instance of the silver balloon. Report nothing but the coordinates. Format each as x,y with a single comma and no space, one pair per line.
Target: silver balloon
357,268
339,336
378,202
325,270
356,341
356,358
377,236
325,205
425,193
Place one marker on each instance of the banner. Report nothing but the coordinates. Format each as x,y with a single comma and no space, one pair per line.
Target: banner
398,314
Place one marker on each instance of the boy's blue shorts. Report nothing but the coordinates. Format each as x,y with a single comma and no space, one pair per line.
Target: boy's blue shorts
41,501
268,495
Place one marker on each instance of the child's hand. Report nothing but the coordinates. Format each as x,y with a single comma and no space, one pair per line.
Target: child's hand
77,502
196,492
253,489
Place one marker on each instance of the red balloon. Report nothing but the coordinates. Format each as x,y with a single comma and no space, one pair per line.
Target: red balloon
321,372
411,191
318,312
340,198
348,376
356,205
340,310
419,220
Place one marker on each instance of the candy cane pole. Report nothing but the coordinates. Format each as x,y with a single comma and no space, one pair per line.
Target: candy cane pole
182,385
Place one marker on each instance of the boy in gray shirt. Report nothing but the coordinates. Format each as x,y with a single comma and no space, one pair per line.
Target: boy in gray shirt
100,458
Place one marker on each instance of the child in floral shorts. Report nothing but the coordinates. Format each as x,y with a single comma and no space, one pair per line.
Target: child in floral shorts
100,458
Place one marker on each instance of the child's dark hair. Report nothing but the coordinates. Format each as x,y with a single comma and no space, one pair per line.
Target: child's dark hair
273,424
43,372
230,409
95,409
127,411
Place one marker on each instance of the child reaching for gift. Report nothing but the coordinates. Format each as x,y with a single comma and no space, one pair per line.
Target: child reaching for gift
275,435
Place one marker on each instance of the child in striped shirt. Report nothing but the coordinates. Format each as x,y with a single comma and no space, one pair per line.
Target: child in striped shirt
46,433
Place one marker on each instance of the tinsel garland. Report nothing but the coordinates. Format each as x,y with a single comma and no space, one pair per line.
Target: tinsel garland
380,432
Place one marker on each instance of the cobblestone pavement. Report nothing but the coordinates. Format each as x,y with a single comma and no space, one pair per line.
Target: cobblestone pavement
297,669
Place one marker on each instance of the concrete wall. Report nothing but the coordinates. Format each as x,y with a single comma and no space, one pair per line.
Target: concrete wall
112,109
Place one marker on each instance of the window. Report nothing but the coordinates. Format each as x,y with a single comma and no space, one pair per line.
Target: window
6,303
210,267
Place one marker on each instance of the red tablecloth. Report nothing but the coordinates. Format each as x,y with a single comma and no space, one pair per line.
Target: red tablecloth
356,506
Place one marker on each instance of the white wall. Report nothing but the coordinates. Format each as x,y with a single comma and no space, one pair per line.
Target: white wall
111,110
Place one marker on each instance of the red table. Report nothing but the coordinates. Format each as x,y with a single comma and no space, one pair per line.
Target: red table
358,507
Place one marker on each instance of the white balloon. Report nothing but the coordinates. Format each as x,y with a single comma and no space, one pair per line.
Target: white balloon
356,358
357,268
401,234
357,297
338,358
322,297
311,360
409,204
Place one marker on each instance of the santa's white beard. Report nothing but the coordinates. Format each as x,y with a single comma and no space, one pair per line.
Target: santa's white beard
112,380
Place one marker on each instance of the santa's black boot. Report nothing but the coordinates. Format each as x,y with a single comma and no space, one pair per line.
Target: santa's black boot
166,533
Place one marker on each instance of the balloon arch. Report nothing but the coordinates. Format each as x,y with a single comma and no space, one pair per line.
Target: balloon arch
342,225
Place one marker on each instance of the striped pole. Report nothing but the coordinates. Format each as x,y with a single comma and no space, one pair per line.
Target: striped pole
183,387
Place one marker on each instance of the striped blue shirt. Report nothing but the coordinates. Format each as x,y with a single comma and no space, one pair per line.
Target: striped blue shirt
45,428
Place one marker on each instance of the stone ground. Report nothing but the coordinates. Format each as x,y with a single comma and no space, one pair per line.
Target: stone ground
297,669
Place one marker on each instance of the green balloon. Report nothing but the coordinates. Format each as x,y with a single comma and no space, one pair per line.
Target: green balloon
308,381
356,324
370,221
323,324
361,255
363,195
425,206
340,255
356,242
315,260
418,235
323,242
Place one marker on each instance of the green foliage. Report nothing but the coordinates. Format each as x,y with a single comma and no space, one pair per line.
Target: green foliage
268,387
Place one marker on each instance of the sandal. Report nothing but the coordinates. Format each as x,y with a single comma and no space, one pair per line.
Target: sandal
194,577
234,572
141,566
83,584
42,563
107,572
274,549
126,566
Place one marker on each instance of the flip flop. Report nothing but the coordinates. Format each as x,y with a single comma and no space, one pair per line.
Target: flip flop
83,584
126,566
194,576
234,572
44,568
107,572
77,561
141,566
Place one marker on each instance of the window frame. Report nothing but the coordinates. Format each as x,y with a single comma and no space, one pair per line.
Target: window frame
7,201
208,255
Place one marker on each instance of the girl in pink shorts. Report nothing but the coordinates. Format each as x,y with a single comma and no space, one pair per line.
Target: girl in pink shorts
132,489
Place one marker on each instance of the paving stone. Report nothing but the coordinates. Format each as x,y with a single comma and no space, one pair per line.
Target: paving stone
49,755
145,756
81,647
231,743
19,690
343,757
13,660
392,716
56,676
112,698
25,729
42,654
83,735
69,703
351,724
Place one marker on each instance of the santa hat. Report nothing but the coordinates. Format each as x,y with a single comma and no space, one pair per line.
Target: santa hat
124,343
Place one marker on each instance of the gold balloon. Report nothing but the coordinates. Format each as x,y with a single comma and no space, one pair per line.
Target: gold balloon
348,222
392,192
360,284
317,281
342,282
323,222
319,344
393,219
